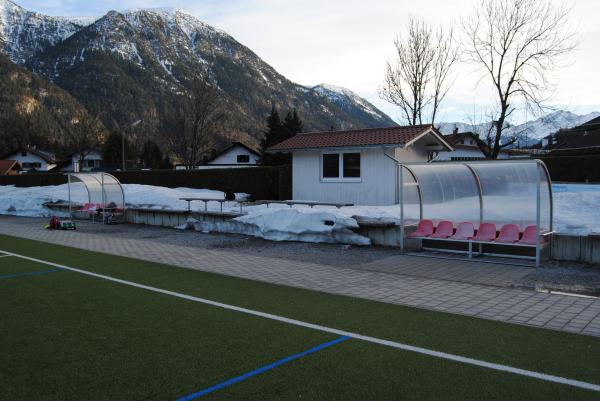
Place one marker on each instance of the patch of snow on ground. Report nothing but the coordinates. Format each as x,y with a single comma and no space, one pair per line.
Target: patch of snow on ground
575,211
308,225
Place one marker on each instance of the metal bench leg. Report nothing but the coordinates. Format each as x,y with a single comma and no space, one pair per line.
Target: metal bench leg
470,250
205,206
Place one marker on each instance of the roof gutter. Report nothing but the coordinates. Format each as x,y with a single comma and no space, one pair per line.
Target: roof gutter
341,148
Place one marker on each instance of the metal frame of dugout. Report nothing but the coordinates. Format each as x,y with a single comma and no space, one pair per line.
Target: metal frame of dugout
500,192
106,197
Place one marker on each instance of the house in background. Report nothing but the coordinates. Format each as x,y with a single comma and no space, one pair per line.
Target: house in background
583,137
10,167
92,161
357,166
32,159
235,155
467,147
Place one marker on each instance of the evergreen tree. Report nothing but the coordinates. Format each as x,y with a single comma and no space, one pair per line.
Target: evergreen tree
292,123
273,133
151,156
278,132
112,152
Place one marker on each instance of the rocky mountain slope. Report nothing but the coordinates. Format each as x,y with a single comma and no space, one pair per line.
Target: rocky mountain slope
127,65
33,111
24,33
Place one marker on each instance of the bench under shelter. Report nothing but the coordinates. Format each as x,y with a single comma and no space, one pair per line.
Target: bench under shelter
105,197
496,206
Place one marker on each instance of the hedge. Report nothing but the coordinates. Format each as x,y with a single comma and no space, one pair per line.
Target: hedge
260,182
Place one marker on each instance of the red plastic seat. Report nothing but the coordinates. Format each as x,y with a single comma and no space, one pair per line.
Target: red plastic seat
444,230
424,229
486,232
91,207
529,236
464,231
509,234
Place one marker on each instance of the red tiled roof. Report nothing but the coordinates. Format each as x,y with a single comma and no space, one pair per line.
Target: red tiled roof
353,138
7,165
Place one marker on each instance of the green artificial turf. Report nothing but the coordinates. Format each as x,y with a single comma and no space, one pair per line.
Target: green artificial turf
67,336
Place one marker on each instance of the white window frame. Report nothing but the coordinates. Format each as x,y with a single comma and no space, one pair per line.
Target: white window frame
341,166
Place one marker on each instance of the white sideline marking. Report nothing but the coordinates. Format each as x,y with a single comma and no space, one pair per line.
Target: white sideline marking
375,340
5,256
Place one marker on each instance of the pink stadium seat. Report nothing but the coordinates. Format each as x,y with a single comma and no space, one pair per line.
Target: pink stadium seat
444,230
464,231
424,229
486,232
91,207
529,235
509,234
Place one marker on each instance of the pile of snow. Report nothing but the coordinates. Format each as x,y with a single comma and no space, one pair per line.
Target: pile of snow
307,224
576,208
575,211
286,224
30,201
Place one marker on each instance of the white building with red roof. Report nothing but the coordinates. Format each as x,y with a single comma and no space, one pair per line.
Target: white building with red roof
31,158
357,166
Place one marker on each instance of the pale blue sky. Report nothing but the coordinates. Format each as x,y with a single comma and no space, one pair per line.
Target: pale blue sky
347,42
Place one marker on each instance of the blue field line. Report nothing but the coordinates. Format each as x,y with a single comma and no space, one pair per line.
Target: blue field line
260,370
30,274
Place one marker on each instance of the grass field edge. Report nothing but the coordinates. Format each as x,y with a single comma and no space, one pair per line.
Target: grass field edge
357,336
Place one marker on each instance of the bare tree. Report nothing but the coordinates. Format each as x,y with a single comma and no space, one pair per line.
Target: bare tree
418,80
84,135
195,123
517,44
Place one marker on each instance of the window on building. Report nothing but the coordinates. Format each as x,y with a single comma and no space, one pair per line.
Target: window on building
32,165
331,165
341,166
23,154
91,163
351,165
243,158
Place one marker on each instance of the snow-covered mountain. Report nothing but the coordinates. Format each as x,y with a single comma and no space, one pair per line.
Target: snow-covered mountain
127,65
25,33
347,100
529,132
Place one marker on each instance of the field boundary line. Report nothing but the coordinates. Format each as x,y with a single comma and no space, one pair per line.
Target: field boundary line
29,274
262,369
374,340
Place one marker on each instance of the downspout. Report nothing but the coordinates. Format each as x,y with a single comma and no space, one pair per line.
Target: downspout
396,173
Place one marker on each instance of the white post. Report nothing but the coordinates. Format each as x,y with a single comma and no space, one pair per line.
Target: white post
401,209
103,200
69,186
537,224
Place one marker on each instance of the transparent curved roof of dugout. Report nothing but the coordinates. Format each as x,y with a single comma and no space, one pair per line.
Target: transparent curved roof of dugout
103,189
499,192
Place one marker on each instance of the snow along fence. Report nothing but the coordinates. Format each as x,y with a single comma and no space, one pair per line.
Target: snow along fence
260,182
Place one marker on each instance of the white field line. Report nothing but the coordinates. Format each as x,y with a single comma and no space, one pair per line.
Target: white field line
5,256
374,340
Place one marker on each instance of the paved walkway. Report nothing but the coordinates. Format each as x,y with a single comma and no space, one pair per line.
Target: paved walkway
415,285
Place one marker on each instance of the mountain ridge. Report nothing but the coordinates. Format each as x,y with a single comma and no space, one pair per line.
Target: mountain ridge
127,65
529,132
